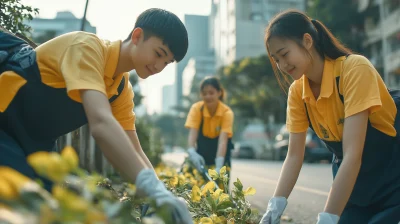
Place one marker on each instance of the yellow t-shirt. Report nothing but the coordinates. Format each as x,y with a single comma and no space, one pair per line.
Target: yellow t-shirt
222,121
80,60
362,88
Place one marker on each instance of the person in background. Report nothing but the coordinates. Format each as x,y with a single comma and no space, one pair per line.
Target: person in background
210,123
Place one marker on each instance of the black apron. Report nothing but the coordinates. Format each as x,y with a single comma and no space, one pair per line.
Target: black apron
378,182
38,114
208,147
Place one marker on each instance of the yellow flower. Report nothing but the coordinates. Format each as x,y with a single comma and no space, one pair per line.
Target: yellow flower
249,191
223,197
70,157
185,169
216,194
196,194
222,171
218,219
210,186
70,200
173,181
49,165
11,182
182,179
188,175
214,175
193,181
206,220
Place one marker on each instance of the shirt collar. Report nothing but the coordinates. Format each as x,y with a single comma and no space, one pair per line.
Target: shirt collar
326,84
219,112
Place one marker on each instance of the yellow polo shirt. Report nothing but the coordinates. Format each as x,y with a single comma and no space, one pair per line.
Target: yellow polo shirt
222,121
77,61
362,88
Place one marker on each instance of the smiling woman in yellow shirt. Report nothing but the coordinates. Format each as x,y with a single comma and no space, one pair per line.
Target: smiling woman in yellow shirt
342,97
210,122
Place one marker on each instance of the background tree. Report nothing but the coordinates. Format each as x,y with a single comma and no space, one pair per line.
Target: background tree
252,89
13,14
133,79
342,18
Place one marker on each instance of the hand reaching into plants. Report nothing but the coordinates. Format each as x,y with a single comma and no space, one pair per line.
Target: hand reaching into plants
148,184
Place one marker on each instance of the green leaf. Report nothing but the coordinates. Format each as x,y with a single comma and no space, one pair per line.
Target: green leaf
211,201
224,205
238,185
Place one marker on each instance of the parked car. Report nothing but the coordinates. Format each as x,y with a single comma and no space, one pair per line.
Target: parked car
315,149
254,143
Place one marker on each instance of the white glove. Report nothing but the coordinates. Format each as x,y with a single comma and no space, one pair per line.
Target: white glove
196,159
326,218
148,184
219,163
276,206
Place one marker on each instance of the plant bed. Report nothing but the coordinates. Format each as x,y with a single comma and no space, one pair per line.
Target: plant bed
80,197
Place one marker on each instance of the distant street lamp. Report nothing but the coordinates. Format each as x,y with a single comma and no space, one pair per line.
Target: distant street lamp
84,17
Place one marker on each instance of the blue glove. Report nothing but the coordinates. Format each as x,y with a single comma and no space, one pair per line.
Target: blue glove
219,163
196,159
276,206
326,218
149,185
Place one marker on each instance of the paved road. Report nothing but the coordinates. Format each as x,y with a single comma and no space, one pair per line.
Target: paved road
307,199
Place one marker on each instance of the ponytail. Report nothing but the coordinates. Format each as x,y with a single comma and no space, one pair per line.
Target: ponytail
327,44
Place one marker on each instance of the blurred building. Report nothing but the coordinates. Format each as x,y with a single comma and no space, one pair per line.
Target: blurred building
198,35
168,102
382,44
64,22
237,26
196,69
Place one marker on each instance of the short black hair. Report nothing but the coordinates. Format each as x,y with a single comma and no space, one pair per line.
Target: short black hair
167,26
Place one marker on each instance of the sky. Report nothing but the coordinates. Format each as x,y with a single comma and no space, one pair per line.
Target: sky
114,19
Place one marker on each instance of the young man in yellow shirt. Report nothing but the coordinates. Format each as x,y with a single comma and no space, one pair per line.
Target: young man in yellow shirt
77,78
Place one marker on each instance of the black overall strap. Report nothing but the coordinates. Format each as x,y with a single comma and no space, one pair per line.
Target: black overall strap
120,89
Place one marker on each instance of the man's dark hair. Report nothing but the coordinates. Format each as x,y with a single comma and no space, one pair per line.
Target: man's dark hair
166,26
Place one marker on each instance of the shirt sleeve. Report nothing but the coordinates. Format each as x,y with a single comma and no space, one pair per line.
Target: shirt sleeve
296,117
122,107
361,90
227,122
194,117
82,67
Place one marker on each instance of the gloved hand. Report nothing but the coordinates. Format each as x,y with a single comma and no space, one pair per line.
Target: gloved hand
196,159
276,206
149,185
326,218
219,163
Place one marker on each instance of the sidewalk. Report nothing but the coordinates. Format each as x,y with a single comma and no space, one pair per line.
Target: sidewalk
174,159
